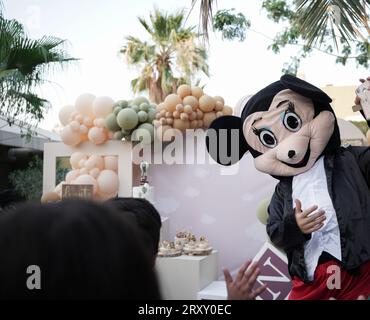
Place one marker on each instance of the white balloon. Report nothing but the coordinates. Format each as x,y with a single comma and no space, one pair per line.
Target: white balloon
65,113
102,106
84,104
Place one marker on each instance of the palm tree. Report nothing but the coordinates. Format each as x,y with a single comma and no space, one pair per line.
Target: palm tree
315,18
172,57
24,62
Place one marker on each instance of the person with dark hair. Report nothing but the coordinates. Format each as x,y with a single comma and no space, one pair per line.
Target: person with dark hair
146,217
73,250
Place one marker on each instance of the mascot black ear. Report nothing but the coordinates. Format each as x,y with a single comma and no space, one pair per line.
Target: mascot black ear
225,140
305,89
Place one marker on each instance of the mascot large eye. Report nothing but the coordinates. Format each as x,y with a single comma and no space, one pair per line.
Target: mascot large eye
292,121
267,138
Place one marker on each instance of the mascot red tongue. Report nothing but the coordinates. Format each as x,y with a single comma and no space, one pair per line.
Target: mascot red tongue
320,211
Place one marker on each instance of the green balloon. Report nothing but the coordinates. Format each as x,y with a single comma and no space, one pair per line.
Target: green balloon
117,110
139,100
118,135
111,123
143,116
143,133
126,132
135,107
123,103
153,105
262,213
127,119
144,107
151,115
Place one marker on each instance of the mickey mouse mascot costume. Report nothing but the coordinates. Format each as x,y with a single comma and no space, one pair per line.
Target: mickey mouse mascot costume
320,211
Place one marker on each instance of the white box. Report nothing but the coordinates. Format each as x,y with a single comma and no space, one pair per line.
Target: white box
184,276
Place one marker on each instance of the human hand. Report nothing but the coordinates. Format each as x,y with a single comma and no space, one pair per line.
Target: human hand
308,224
242,287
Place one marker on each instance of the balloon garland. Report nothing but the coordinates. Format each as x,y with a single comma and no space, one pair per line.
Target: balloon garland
188,108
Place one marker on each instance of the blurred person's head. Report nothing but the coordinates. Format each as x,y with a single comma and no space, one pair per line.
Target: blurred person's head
145,216
84,251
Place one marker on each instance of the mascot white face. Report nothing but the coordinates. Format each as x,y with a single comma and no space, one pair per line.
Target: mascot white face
285,126
288,135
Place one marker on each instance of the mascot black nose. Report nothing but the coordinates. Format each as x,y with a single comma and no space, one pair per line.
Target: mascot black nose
291,153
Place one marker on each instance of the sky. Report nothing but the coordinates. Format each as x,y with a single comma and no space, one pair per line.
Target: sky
96,30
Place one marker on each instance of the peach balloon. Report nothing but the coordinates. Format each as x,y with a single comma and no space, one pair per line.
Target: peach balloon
65,114
79,118
83,129
171,101
84,104
58,188
84,138
196,92
98,161
100,122
181,124
69,136
84,171
108,182
87,179
87,121
192,101
94,172
90,164
75,125
75,159
71,175
81,163
208,118
219,99
96,135
206,103
228,111
111,163
102,106
50,197
184,90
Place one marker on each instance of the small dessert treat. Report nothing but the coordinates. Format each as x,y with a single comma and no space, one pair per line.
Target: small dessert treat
199,248
181,237
168,249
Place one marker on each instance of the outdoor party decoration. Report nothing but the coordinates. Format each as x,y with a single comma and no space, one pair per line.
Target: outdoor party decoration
132,120
85,120
98,171
188,108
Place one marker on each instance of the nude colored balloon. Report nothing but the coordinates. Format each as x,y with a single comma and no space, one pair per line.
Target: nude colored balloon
181,124
58,188
196,92
84,171
65,113
50,197
75,125
206,103
184,90
89,164
171,101
79,118
87,121
71,175
83,129
108,182
191,101
87,179
69,136
111,163
84,104
102,106
94,173
96,135
228,111
98,161
104,197
81,163
208,118
75,159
